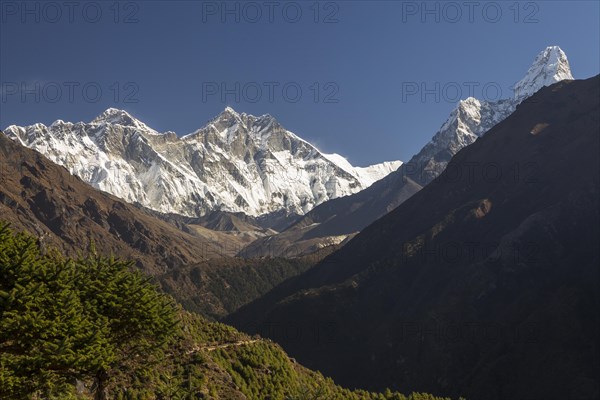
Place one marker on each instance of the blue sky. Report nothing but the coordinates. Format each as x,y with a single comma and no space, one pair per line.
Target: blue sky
335,73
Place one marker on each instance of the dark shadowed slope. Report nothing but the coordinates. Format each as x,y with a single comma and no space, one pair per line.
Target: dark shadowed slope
484,284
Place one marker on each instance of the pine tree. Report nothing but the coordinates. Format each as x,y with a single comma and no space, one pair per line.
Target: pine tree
63,319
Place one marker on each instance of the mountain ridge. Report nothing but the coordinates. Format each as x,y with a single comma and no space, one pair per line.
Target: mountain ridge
235,163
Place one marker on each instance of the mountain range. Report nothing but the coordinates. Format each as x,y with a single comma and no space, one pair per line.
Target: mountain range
236,163
470,270
239,163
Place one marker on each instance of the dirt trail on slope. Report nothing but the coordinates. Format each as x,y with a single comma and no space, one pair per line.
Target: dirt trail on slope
223,346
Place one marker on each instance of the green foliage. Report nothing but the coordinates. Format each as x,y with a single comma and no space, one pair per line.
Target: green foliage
228,284
264,371
62,319
94,321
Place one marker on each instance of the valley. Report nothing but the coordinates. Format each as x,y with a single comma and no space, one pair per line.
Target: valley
241,262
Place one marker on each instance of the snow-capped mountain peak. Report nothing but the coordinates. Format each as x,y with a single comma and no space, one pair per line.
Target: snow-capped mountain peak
115,116
550,66
472,117
468,103
228,114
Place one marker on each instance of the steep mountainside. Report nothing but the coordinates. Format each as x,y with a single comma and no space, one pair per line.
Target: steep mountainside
236,163
485,283
88,328
468,121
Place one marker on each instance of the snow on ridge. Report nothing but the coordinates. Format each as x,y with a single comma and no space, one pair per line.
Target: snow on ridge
236,162
550,66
